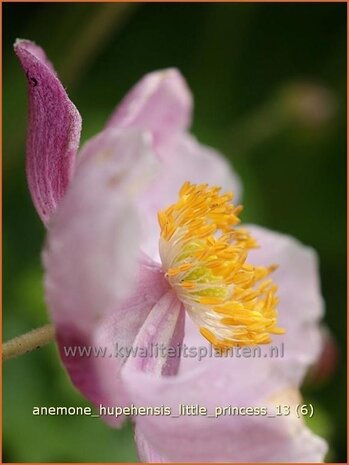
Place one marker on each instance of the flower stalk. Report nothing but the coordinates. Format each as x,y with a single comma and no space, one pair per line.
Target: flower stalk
27,342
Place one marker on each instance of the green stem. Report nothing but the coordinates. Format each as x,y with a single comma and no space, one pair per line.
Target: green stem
27,342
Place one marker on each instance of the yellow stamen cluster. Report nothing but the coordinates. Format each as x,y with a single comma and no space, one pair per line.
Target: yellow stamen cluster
204,257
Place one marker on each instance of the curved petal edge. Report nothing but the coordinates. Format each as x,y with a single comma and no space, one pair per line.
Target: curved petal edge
53,130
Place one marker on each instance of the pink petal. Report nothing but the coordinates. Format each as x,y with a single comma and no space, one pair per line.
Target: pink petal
163,330
214,382
227,438
187,161
259,444
35,50
53,131
93,242
160,103
301,305
328,361
146,451
98,377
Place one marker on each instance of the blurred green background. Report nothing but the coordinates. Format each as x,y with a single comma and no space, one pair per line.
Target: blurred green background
269,82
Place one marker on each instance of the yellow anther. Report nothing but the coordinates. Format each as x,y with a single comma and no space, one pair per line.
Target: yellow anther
179,269
208,300
208,335
204,259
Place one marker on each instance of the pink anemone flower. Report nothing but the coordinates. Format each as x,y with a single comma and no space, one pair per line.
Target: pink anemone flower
143,249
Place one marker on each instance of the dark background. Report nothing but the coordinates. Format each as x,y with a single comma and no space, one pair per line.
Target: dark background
269,82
